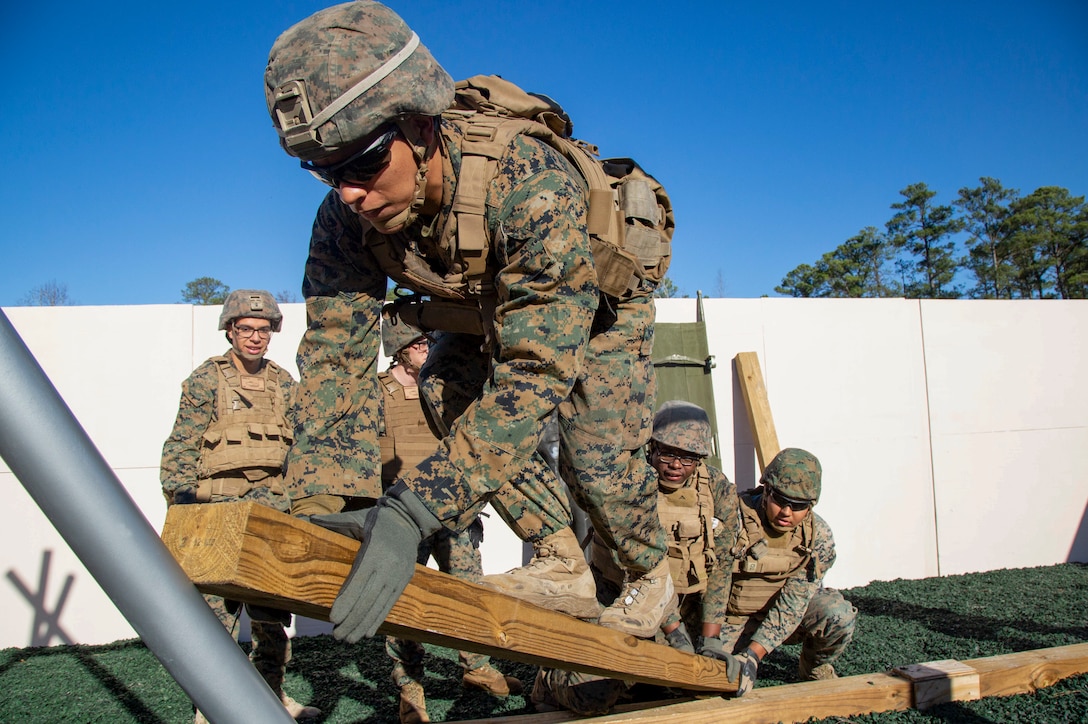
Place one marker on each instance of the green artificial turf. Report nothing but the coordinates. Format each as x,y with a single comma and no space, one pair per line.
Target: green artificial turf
900,622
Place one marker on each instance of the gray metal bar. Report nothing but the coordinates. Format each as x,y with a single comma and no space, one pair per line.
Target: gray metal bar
51,454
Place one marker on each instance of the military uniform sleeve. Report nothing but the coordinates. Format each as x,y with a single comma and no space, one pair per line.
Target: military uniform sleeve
792,601
337,402
196,411
547,295
727,514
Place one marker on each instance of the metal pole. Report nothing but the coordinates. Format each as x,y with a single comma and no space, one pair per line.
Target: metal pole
51,454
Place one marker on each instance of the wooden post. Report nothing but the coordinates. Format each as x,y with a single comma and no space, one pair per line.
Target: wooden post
756,404
1019,673
249,552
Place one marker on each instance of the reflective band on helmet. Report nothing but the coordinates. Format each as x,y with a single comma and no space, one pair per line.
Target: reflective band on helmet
366,83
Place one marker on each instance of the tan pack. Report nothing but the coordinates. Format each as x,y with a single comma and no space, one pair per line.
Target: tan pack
630,216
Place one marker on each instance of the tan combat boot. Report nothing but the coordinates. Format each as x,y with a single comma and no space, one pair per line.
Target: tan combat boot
808,672
557,578
491,680
644,603
413,704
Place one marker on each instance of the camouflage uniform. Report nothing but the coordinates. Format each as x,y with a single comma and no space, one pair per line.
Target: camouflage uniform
557,344
592,695
457,554
801,610
186,480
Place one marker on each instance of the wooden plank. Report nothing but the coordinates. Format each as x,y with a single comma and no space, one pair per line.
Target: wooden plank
1028,671
788,703
1019,673
941,682
760,420
252,553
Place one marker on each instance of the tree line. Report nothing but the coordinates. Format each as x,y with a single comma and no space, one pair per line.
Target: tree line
989,243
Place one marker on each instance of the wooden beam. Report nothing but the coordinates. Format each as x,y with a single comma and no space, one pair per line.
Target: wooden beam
1019,673
760,420
249,552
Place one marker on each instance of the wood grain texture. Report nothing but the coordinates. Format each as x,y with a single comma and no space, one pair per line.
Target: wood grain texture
760,420
1018,673
252,553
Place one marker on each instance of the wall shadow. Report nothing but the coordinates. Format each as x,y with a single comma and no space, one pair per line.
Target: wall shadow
46,624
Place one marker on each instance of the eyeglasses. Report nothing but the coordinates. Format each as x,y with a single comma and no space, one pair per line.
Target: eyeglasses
669,458
359,168
783,501
246,331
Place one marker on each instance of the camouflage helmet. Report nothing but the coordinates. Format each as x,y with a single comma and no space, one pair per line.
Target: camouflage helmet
256,303
397,334
795,473
337,76
684,426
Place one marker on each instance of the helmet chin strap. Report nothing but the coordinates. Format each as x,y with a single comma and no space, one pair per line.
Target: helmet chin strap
421,151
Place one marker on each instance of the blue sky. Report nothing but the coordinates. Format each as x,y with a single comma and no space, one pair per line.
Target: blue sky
140,156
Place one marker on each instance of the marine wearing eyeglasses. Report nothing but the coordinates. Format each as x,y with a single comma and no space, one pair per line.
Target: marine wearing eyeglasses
228,443
777,595
697,505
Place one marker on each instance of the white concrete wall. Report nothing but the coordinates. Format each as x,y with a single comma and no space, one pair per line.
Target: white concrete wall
953,435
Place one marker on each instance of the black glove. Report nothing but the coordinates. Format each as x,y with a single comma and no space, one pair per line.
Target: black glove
712,648
749,667
390,534
184,495
264,614
679,639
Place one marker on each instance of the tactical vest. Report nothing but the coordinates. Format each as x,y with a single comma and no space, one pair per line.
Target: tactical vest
762,564
406,439
687,515
630,221
250,429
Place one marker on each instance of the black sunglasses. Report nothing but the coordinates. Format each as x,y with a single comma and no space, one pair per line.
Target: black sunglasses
359,168
783,501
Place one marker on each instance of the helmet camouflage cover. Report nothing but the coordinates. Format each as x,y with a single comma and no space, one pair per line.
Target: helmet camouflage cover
337,76
397,334
795,473
256,303
684,426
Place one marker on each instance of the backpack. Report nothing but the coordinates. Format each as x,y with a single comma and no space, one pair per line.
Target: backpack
630,221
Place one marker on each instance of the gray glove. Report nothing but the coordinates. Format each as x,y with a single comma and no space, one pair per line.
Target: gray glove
712,648
749,667
679,639
390,534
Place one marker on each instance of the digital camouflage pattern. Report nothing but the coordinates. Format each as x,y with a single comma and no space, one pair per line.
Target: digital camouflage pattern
802,609
684,426
795,473
397,334
552,348
457,554
271,647
179,475
255,303
593,695
334,49
179,470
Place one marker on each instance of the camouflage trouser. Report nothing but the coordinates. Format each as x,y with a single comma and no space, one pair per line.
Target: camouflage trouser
457,554
271,647
826,629
603,427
